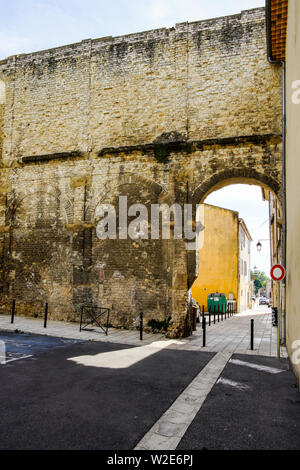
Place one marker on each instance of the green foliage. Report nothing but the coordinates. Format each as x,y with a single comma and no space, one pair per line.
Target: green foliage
257,285
260,280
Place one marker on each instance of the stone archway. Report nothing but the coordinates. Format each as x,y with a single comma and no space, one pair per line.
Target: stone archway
209,184
235,176
221,179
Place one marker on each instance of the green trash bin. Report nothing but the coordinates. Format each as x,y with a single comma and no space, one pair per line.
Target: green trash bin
216,300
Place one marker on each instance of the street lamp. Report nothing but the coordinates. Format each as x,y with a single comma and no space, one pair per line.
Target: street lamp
259,245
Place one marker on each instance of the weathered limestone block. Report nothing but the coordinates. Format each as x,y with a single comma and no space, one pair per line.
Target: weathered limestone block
162,116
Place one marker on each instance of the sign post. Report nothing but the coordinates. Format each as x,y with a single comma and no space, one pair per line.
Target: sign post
277,275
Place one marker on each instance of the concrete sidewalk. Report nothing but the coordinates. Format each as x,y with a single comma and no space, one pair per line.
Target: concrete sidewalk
230,335
233,334
70,330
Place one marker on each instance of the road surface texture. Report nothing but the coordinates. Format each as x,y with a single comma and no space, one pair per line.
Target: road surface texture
52,401
85,390
249,408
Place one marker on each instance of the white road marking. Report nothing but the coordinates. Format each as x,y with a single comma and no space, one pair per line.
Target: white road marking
232,383
6,361
2,352
168,431
270,370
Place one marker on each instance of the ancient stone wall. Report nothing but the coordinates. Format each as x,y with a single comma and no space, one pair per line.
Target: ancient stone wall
158,116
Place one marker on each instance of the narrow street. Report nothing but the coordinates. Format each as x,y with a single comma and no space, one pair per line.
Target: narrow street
233,334
150,169
117,392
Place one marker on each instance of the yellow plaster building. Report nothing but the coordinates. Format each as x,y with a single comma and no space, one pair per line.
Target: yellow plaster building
224,258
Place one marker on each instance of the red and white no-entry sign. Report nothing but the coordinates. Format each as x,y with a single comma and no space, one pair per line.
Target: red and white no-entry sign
277,272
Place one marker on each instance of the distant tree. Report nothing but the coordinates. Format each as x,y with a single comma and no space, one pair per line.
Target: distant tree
257,285
260,280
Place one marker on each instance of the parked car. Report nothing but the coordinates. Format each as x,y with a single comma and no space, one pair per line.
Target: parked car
253,297
263,301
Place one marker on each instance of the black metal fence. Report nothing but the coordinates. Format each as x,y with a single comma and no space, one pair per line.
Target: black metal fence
90,315
215,314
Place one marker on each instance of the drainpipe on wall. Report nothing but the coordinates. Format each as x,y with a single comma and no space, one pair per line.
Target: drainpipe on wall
284,222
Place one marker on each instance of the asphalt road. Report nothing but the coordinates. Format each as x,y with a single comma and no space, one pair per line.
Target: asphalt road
22,345
248,409
48,401
70,394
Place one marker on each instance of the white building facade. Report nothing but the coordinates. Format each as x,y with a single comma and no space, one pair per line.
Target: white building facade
245,285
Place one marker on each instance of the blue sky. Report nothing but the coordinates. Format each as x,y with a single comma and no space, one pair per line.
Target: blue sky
30,25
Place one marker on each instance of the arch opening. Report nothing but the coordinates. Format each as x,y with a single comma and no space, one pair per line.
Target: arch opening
235,176
237,213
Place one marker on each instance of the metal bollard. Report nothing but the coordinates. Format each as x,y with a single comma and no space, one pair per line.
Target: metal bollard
13,309
46,315
204,333
225,310
194,318
209,316
81,315
218,313
141,325
202,315
252,336
214,314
